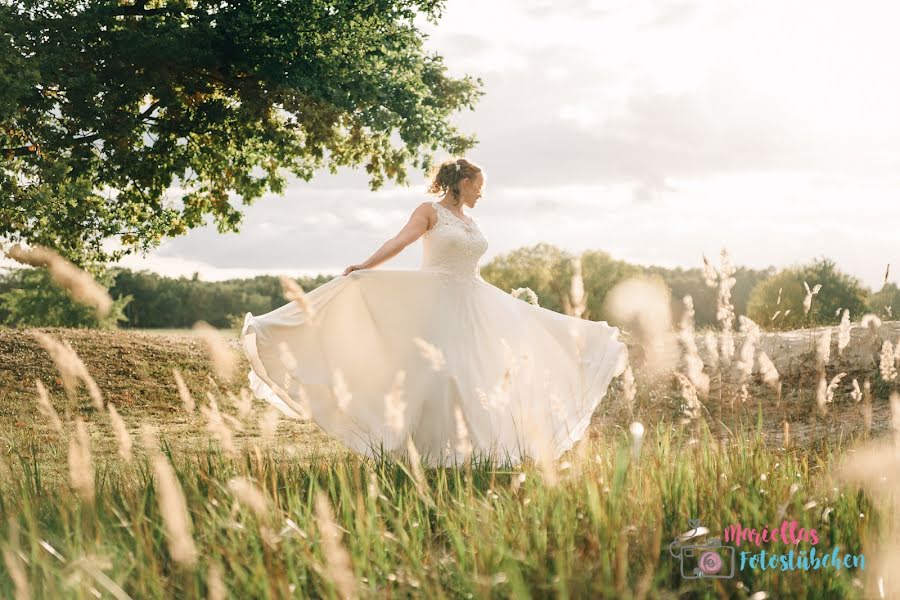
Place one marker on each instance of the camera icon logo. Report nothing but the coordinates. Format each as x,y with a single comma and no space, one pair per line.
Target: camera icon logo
709,560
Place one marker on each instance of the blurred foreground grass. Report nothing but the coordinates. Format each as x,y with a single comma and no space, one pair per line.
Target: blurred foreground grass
602,530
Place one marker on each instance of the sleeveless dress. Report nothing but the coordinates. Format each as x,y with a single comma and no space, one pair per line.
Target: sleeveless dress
436,356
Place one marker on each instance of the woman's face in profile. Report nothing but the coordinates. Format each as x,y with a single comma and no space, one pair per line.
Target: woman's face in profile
472,189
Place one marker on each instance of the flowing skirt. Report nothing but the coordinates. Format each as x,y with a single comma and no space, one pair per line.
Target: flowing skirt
455,365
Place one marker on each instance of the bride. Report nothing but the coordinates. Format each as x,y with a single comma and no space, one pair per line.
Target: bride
435,357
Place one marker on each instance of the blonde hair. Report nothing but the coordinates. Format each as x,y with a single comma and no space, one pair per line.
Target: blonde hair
445,177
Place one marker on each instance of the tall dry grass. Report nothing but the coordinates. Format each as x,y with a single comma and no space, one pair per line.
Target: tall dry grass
80,284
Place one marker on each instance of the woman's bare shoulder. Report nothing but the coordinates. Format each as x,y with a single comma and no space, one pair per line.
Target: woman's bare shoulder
428,211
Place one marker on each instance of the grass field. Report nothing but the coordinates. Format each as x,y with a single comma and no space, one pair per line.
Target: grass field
289,513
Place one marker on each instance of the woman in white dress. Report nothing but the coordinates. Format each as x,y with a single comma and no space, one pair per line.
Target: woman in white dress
435,356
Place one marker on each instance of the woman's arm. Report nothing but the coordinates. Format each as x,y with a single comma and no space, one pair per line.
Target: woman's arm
419,222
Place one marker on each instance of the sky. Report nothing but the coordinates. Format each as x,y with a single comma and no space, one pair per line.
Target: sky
656,131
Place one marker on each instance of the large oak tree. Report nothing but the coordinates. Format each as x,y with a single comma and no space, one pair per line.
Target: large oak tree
107,107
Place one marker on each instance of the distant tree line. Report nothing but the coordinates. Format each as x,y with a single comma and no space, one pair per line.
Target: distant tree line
548,271
159,301
143,299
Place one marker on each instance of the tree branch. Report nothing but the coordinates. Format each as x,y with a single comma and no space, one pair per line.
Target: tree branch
139,10
75,141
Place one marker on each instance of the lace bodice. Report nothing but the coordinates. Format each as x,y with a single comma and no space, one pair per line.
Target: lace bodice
452,245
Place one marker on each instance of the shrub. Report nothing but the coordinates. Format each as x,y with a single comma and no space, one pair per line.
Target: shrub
32,299
777,302
886,302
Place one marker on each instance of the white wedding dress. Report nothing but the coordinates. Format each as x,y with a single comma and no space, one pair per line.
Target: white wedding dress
437,356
